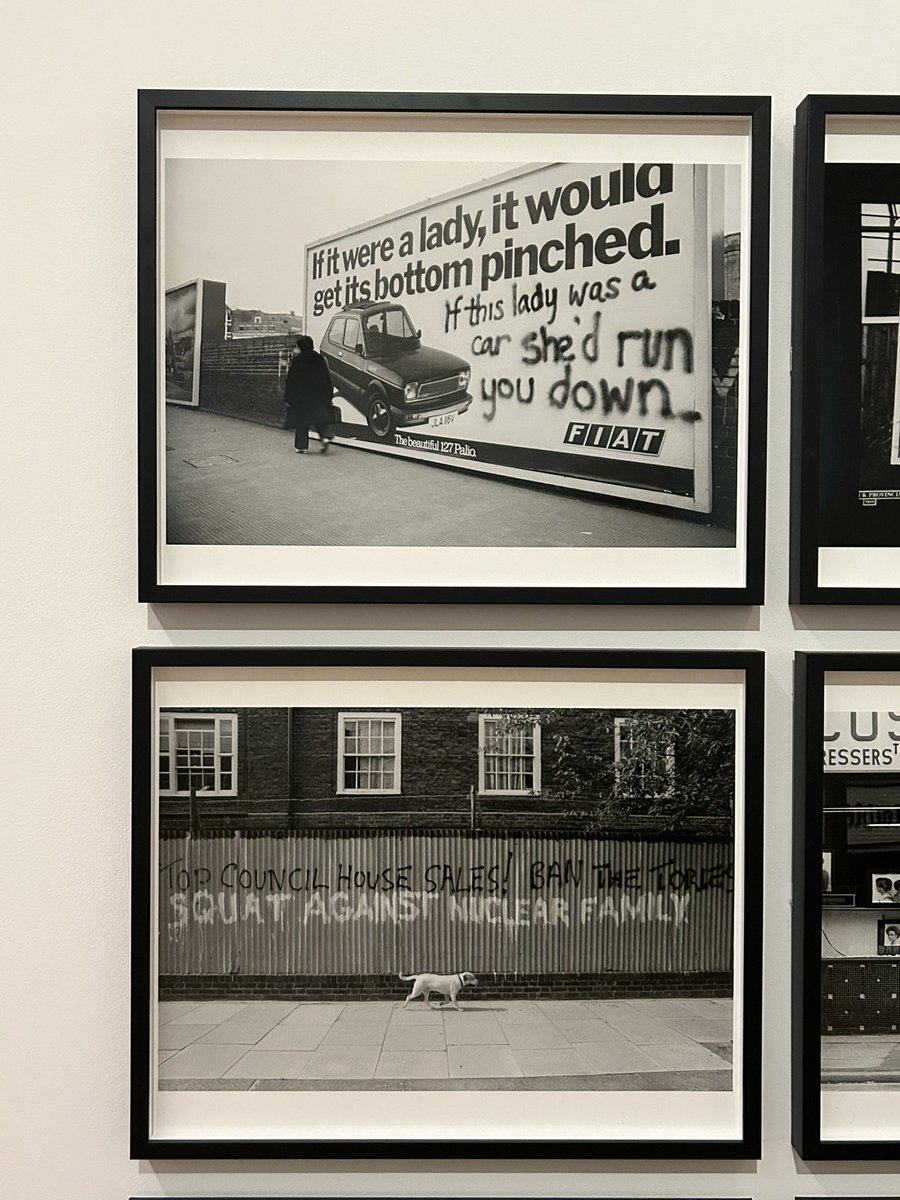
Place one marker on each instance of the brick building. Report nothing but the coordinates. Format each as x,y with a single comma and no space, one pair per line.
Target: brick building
254,322
407,768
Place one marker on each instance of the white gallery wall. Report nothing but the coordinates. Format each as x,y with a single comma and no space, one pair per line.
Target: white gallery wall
70,615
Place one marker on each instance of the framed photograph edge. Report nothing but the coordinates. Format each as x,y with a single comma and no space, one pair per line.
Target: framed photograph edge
807,258
746,1148
810,669
151,101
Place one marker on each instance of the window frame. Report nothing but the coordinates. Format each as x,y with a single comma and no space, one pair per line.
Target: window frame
218,718
343,717
483,789
618,722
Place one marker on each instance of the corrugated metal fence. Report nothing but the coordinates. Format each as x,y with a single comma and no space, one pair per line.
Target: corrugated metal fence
316,903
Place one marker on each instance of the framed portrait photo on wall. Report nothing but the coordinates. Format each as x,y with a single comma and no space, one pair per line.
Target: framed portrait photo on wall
394,902
847,912
416,347
845,531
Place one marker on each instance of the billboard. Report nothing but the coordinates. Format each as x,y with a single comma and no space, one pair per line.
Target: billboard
552,323
183,343
194,314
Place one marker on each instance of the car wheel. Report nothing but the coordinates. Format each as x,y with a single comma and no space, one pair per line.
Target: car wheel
378,416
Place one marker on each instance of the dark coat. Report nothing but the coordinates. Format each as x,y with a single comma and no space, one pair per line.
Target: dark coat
308,391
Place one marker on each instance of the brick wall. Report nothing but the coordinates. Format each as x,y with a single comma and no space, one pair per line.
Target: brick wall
490,987
245,377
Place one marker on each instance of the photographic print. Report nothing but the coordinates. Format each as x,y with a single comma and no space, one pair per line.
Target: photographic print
847,411
517,883
533,339
885,888
850,1034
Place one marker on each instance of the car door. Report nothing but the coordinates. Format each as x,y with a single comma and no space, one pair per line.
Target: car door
333,353
353,360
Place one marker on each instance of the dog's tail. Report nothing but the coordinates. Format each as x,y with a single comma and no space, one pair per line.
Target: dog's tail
406,978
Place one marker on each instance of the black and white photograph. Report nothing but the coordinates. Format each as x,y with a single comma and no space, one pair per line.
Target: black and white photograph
852,1050
880,383
530,347
456,885
845,380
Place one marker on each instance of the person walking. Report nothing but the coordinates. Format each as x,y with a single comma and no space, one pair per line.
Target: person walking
307,393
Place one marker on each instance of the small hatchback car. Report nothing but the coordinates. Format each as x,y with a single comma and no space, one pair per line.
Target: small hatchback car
378,363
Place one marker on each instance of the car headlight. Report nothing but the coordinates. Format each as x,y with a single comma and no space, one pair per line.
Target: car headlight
411,391
463,380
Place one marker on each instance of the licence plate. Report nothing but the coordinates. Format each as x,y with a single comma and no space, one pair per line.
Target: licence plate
443,419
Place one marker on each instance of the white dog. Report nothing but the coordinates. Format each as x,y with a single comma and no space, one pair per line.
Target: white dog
444,985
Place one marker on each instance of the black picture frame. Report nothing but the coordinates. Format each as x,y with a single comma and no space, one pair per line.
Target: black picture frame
747,666
825,319
810,670
152,587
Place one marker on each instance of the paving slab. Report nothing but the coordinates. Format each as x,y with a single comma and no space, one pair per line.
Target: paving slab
538,1036
355,1033
701,1030
680,1057
370,1010
482,1062
551,1062
564,1010
411,1017
620,1059
524,1016
660,1009
176,1037
212,1012
596,1031
342,1062
168,1010
711,1009
299,1037
271,1008
423,1038
475,1032
201,1062
642,1029
396,1064
252,1017
269,1064
235,1033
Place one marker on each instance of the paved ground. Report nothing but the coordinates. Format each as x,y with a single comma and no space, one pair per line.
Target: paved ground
600,1044
871,1059
235,483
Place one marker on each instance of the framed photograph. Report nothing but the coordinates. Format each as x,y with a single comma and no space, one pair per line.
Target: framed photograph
405,902
846,982
885,888
400,347
845,532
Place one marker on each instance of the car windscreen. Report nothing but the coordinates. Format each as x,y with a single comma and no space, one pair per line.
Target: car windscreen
389,332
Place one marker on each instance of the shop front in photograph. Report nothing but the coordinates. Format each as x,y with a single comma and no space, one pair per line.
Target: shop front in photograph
861,874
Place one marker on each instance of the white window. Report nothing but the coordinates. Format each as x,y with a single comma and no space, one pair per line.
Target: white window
369,753
198,751
509,756
650,765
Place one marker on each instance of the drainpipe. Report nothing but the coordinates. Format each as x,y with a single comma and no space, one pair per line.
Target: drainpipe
472,805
